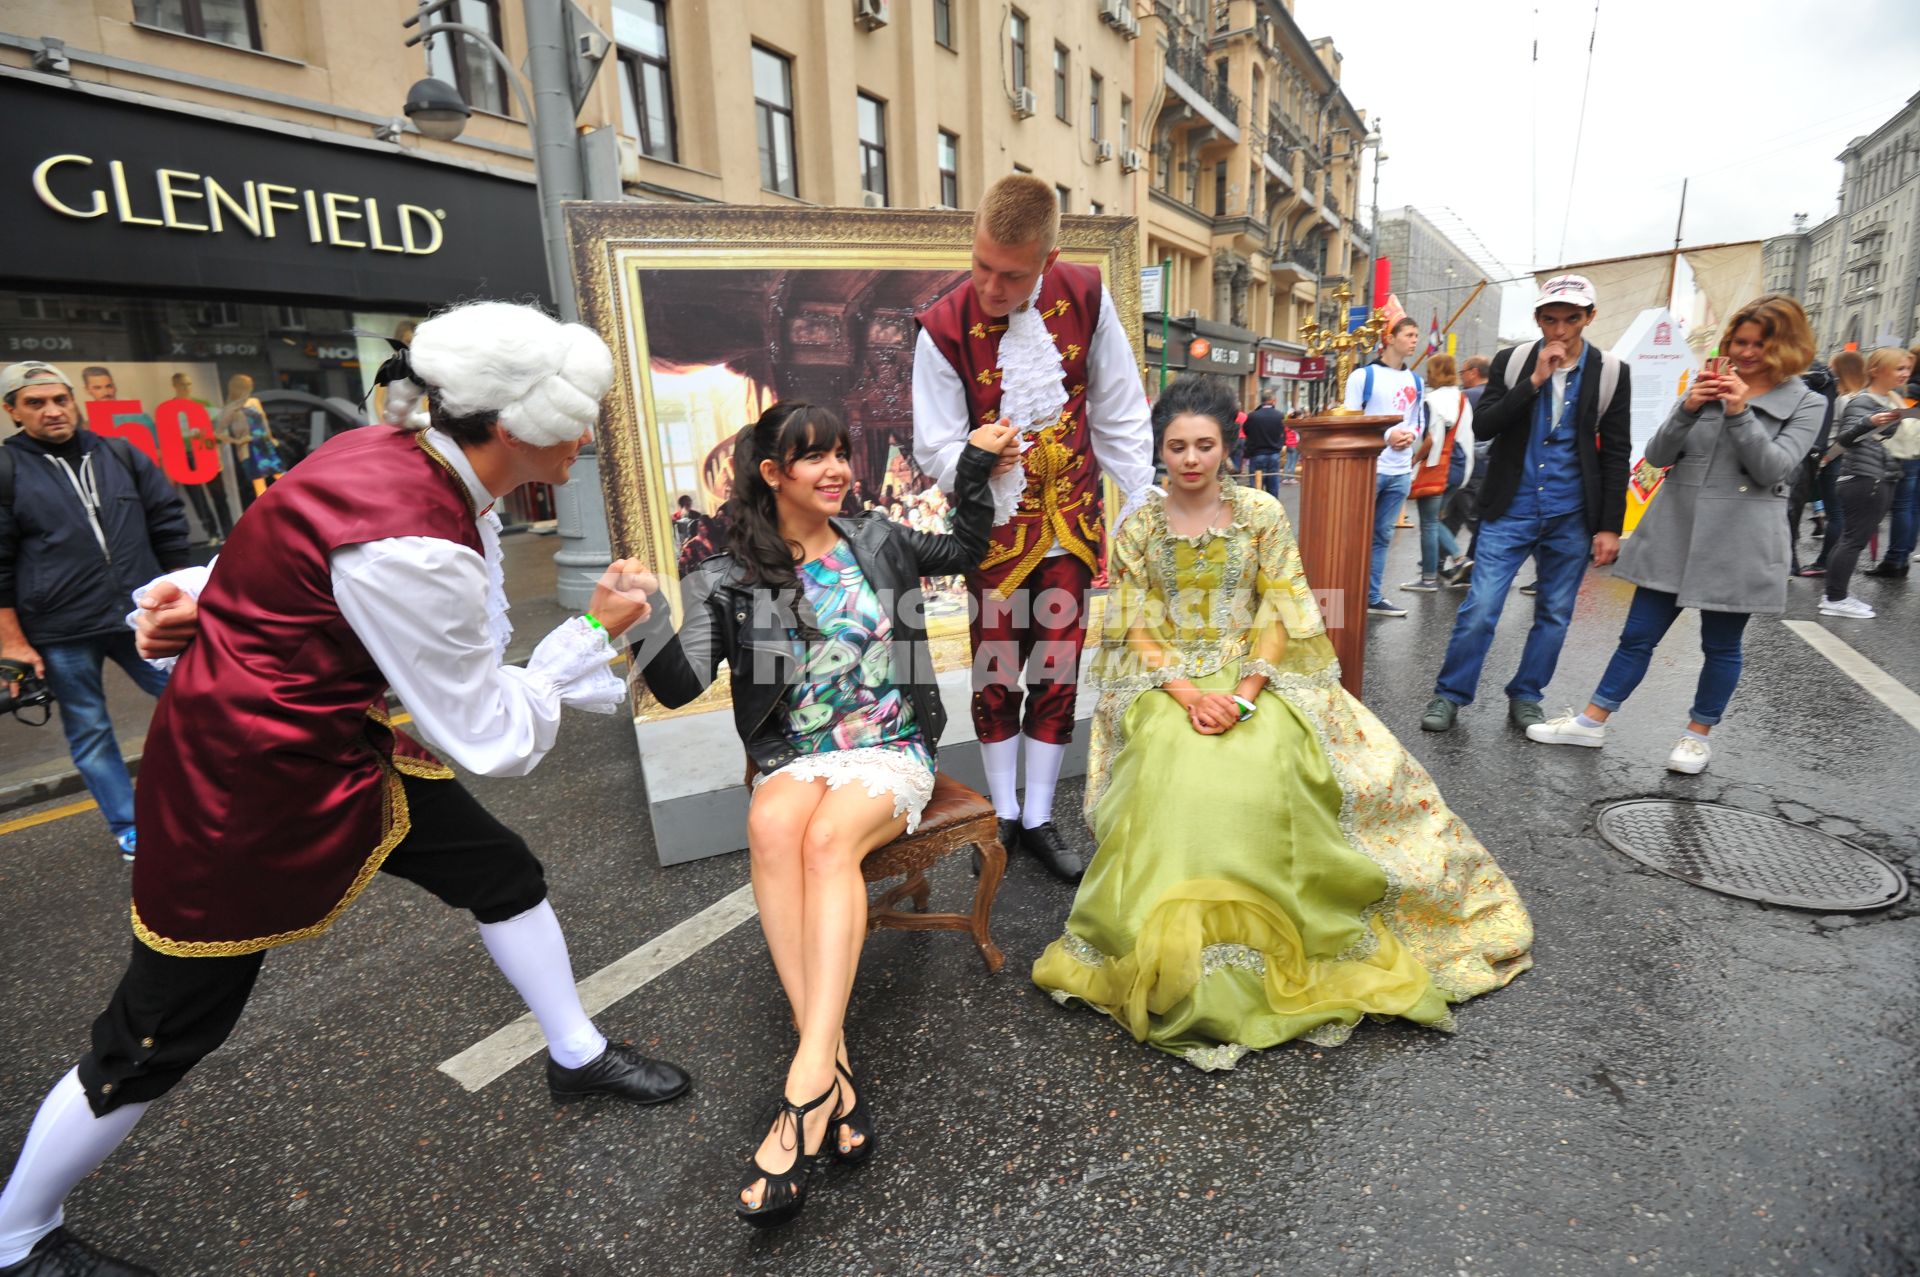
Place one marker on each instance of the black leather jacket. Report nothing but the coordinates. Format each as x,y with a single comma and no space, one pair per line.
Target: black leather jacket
752,630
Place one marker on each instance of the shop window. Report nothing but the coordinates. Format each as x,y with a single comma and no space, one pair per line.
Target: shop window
461,62
873,147
646,88
233,22
773,105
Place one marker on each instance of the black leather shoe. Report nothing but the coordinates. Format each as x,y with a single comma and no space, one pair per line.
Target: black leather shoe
1009,840
61,1254
621,1072
1896,571
1051,850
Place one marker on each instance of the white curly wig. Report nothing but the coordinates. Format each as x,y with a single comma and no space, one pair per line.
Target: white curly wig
544,378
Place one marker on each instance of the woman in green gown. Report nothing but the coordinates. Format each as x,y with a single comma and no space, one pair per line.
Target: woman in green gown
1271,863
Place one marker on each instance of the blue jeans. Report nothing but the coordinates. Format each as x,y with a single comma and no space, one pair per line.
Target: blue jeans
1648,620
73,675
1435,536
1389,495
1558,547
1267,466
1293,461
1906,516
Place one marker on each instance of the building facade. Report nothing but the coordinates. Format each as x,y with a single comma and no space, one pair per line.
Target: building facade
1858,271
1432,276
1254,156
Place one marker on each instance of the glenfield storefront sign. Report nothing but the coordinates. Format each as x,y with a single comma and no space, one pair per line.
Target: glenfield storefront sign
105,194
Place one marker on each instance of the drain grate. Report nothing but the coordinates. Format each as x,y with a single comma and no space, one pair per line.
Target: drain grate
1738,853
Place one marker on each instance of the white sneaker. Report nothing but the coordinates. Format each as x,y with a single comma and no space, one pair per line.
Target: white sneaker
1690,755
1565,730
1849,607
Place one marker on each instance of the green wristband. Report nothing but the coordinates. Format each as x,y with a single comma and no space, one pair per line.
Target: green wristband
592,620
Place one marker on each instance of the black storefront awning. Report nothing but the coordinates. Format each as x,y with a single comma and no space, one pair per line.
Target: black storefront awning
101,193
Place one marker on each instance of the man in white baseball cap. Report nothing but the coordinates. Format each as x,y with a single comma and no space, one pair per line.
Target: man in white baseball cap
1556,412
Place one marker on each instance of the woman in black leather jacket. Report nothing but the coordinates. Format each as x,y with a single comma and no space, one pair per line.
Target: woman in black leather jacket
821,623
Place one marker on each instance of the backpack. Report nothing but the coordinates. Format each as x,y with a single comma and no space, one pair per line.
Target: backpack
1609,373
120,448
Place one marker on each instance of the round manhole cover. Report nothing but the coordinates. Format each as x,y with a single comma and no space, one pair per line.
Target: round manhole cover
1738,853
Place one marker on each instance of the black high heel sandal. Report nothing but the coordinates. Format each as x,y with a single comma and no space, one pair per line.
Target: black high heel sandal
786,1191
859,1119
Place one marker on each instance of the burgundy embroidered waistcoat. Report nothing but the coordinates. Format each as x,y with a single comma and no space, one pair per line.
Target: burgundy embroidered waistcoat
269,790
1062,497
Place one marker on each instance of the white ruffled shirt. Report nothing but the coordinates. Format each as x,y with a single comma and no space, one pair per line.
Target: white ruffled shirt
433,615
1118,417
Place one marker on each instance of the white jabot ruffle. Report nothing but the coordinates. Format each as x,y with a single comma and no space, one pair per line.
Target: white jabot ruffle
499,624
1033,392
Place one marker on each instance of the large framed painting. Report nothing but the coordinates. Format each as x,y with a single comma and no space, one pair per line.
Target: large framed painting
714,312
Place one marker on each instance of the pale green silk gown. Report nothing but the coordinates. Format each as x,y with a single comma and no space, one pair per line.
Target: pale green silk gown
1282,879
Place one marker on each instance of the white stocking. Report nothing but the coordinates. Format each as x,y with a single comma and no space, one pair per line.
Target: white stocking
64,1146
1043,772
532,953
1001,758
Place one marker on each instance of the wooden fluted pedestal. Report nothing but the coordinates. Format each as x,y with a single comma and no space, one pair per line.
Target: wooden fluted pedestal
1336,527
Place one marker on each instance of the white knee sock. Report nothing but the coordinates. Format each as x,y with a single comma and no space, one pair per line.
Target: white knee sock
63,1147
532,953
1001,758
1043,771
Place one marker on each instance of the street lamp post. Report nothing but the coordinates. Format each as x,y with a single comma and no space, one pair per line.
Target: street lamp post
558,176
1372,139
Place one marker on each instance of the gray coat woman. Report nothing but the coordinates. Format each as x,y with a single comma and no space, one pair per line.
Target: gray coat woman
1715,535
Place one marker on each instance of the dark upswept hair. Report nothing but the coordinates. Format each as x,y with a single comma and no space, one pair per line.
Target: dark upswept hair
788,430
1200,395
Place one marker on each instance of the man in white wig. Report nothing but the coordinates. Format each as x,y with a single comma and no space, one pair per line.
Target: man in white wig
273,788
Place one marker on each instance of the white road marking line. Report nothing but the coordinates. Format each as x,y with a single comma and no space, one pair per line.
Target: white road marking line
1884,687
492,1056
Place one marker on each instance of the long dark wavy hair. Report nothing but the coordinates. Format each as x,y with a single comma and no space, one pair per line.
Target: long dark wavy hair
785,432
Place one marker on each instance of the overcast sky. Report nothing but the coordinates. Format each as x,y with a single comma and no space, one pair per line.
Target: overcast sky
1752,102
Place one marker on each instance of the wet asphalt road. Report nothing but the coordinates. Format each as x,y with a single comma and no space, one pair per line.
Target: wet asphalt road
1686,1083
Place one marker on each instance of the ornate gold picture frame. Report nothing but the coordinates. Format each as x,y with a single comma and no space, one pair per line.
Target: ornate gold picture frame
795,302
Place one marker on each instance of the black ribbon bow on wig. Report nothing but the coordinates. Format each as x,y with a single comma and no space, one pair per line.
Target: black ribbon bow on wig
398,367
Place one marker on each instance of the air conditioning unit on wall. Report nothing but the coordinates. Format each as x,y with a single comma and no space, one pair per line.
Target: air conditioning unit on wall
1025,103
873,199
1131,159
1102,152
870,14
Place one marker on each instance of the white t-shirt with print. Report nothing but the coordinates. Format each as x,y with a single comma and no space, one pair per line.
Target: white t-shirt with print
1393,395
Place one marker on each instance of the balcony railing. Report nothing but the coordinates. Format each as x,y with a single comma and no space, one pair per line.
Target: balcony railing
1188,60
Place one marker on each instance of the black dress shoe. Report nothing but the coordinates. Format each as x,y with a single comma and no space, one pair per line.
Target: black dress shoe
1049,849
61,1254
620,1071
1894,570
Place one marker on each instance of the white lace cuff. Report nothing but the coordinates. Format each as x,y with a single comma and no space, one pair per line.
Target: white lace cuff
1131,501
574,662
1006,490
190,580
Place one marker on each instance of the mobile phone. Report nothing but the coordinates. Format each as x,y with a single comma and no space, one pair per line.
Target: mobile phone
1717,366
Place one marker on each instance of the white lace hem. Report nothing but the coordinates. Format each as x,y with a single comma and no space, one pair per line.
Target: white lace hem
880,769
573,662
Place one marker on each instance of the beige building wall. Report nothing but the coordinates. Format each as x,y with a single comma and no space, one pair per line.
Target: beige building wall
1255,253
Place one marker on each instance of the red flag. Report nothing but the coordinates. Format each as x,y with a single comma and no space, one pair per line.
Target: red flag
1433,335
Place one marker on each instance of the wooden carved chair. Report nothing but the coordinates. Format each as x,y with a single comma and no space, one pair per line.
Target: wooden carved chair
957,818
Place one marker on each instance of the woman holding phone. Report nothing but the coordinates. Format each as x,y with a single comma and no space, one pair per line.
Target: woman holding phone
1715,536
1867,472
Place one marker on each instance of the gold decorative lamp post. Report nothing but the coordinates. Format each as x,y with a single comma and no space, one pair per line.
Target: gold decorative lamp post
1346,346
1339,448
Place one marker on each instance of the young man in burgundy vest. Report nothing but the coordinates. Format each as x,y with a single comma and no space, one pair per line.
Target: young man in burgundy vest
1035,341
274,788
